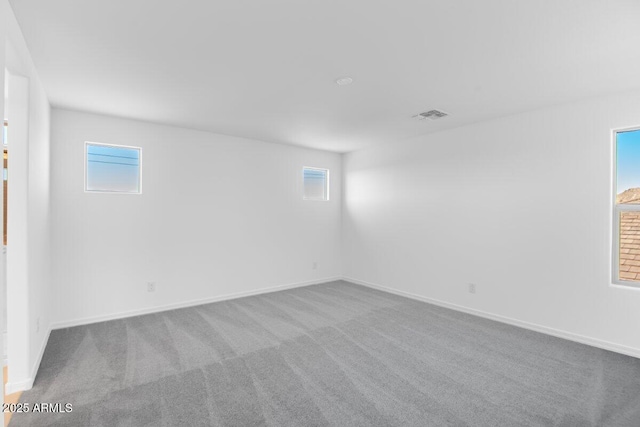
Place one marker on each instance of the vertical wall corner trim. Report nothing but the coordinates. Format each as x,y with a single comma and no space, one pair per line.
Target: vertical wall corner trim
26,383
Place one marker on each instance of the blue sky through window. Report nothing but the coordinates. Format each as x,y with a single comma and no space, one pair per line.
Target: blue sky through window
113,169
315,184
627,160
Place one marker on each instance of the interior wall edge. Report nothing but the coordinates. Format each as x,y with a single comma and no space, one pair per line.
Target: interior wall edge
4,348
27,383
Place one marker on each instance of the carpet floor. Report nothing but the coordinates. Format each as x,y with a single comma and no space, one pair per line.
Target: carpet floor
335,354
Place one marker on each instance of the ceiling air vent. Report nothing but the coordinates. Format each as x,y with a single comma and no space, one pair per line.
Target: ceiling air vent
432,114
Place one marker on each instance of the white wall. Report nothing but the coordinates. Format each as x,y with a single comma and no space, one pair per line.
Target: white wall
18,310
218,216
28,297
3,300
519,206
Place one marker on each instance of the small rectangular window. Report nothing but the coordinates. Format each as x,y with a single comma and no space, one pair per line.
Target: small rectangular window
112,168
626,208
316,183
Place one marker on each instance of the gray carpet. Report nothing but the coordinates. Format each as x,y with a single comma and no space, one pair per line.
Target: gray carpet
333,354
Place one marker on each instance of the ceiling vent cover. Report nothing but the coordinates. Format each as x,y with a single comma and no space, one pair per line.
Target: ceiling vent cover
432,114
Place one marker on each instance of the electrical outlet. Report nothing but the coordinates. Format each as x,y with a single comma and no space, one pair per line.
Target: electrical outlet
472,288
151,286
314,266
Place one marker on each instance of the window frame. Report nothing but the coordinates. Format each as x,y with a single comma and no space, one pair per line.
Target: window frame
327,183
617,211
103,144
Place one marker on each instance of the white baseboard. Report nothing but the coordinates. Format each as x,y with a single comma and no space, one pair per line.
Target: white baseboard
605,345
191,303
14,387
27,383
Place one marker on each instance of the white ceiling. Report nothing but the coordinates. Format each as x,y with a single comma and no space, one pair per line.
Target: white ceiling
267,69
